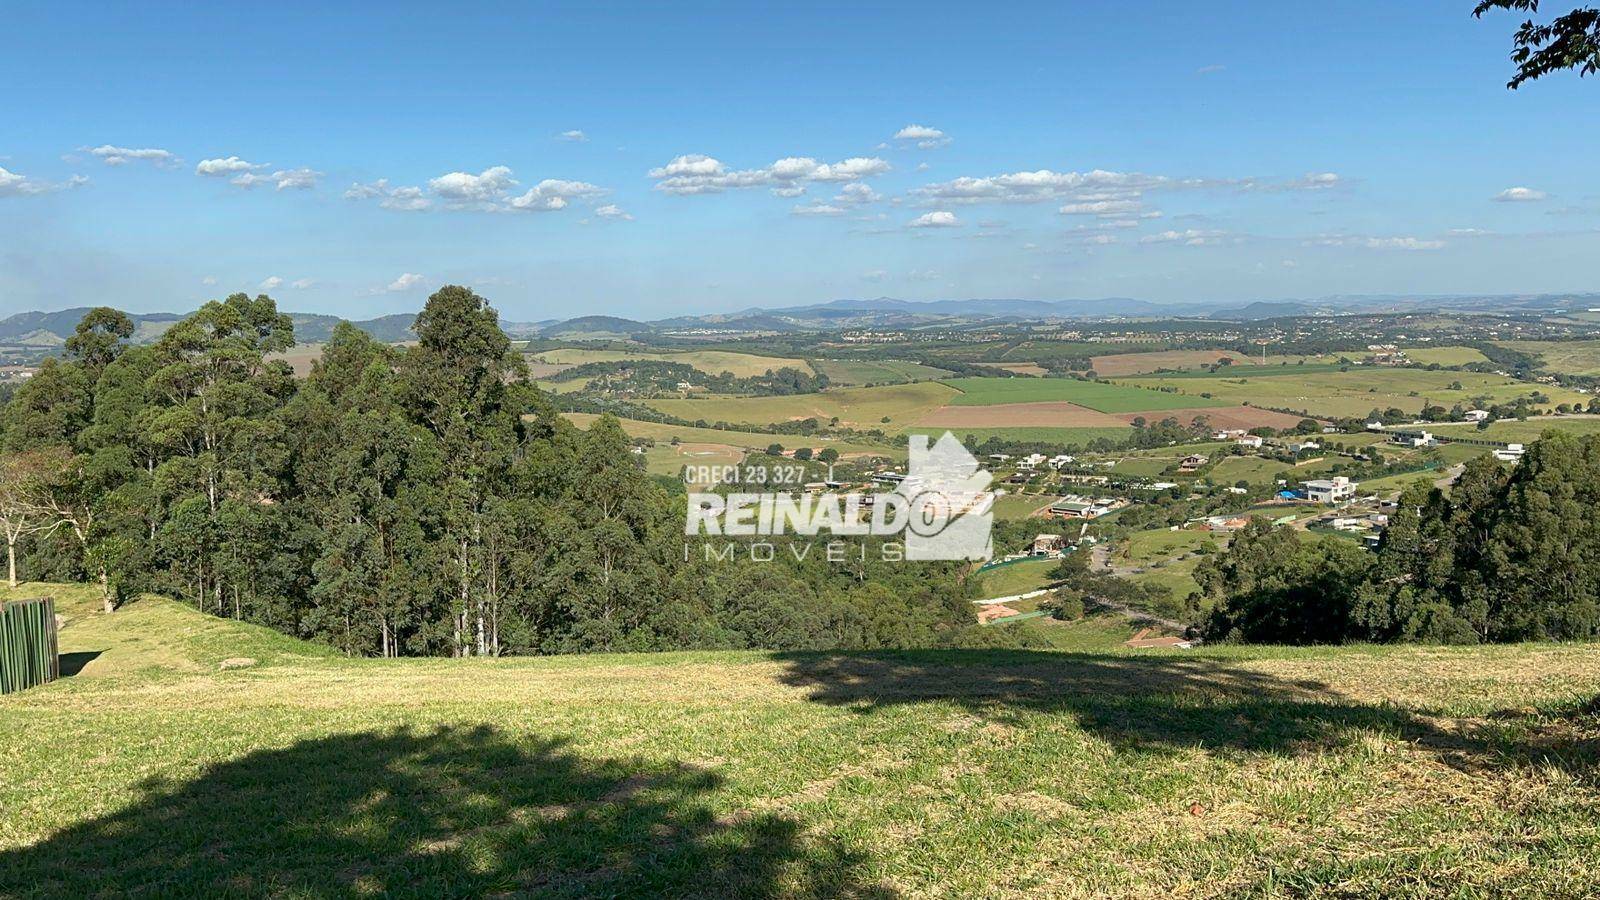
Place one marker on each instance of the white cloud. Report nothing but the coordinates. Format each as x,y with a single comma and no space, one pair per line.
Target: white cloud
464,187
117,156
874,275
612,211
1520,195
301,179
924,275
1189,237
923,136
271,283
404,199
1375,243
209,280
791,190
491,190
405,282
857,194
232,165
697,173
14,185
553,194
575,136
818,208
1105,209
1210,70
1094,238
301,284
1097,185
937,219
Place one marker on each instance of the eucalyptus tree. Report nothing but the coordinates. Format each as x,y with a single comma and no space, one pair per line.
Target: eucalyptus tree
213,396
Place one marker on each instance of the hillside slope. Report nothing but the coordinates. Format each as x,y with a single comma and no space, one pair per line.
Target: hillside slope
1357,771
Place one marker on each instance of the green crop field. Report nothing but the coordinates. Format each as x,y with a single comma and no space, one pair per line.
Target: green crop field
742,365
1107,398
193,756
1446,356
875,371
1357,392
863,408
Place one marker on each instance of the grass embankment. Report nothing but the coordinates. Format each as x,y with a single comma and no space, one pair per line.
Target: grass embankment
1265,771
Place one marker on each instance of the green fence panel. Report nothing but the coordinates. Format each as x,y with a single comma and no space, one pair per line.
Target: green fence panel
29,654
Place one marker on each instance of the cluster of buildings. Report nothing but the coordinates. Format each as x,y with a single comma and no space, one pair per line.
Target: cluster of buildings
1073,506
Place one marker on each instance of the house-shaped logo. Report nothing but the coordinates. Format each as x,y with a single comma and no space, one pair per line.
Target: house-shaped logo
952,508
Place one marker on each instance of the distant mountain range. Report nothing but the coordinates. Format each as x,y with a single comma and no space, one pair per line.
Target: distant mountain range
45,331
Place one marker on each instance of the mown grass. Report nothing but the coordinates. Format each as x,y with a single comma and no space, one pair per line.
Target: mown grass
1227,771
1017,578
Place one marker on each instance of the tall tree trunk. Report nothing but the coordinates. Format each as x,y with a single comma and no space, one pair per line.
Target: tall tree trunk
105,590
461,614
11,559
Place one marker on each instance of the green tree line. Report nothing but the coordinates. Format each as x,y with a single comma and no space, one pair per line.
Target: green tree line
1504,555
398,501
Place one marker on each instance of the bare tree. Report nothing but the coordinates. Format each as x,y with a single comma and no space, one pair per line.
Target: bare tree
26,504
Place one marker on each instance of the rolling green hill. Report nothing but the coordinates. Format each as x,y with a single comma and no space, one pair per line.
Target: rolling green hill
194,756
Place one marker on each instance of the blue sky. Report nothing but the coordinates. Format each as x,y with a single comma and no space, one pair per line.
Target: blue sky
724,156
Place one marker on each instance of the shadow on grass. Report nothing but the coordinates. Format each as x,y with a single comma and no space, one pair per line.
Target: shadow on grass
1174,703
73,663
464,812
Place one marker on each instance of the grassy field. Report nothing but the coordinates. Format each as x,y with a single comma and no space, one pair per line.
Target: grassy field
1572,357
1017,578
1446,356
749,440
863,408
1145,547
1106,398
1253,469
713,362
1357,392
1018,506
1097,634
847,372
669,459
1065,437
1352,771
1512,431
1176,578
